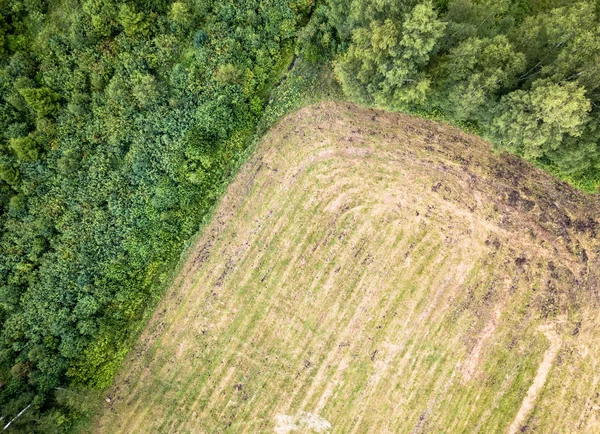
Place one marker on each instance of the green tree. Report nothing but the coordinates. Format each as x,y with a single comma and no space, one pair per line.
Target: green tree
534,123
9,173
26,148
102,15
228,74
560,43
134,23
386,59
43,101
475,71
181,14
145,90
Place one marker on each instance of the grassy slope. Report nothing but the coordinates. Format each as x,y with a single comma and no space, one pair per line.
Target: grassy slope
387,273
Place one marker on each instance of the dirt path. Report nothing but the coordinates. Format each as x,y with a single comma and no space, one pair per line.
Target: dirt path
539,380
302,421
469,367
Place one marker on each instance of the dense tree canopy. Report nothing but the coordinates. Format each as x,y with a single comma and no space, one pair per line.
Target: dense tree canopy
120,123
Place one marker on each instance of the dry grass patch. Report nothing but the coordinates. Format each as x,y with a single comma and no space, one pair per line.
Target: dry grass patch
368,273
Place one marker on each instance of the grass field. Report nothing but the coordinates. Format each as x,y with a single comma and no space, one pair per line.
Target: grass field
368,273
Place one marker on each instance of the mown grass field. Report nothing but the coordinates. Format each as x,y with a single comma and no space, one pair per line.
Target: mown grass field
371,272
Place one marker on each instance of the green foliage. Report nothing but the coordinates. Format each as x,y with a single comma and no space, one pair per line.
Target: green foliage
383,63
9,173
26,148
524,73
180,14
43,101
535,122
317,41
99,363
228,74
145,90
133,22
476,70
121,123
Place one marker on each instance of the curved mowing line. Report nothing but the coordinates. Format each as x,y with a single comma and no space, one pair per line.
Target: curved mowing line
539,380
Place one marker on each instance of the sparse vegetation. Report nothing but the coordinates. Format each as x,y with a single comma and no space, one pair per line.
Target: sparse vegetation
374,272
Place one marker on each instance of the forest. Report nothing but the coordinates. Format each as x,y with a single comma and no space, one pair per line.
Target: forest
122,123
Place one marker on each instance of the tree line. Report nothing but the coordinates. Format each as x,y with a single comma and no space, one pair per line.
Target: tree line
523,73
